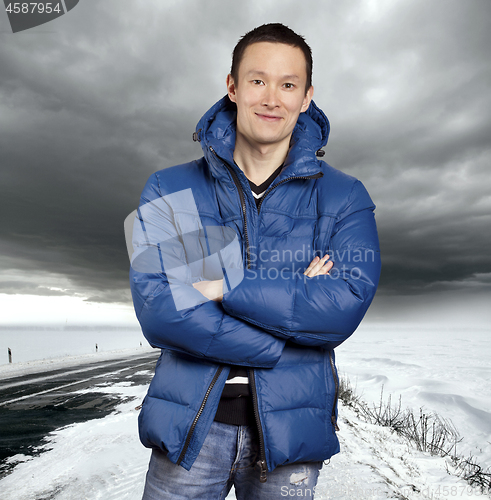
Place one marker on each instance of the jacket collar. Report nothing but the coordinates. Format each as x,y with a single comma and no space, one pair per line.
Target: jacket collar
216,132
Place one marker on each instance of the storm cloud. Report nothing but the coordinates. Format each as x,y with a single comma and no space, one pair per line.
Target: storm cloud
94,102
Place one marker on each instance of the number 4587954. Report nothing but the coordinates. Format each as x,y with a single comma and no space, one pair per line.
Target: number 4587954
32,7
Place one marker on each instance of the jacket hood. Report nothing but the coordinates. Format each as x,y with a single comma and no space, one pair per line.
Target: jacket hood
217,129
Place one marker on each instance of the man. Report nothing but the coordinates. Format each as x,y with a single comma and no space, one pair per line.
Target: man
245,390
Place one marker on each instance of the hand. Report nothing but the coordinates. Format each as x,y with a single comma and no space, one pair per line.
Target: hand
319,266
212,290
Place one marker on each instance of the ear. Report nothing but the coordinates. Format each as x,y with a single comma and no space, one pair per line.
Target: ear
231,88
307,99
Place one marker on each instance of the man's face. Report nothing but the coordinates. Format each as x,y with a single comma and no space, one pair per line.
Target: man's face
270,92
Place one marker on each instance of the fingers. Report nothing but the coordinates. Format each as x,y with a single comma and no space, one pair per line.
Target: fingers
212,290
326,268
319,266
315,260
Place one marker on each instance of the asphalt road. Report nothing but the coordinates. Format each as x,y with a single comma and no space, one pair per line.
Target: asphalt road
33,405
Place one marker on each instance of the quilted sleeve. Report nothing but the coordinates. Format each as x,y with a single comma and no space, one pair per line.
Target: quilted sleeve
323,310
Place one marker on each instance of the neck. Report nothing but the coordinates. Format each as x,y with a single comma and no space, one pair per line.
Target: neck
258,162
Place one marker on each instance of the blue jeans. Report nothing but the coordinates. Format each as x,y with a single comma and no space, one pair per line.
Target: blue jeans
227,458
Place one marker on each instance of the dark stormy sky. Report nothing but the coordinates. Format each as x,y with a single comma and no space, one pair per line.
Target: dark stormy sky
94,102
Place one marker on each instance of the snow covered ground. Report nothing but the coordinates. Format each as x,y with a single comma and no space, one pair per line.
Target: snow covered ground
97,459
103,459
46,365
31,344
446,370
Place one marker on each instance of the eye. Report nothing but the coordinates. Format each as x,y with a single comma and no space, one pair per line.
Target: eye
289,85
257,82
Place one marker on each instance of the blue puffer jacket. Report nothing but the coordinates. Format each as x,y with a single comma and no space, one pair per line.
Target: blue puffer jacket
277,322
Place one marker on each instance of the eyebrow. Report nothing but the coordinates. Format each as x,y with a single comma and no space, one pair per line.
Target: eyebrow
262,73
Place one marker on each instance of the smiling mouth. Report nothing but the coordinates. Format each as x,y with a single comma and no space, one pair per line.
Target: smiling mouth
268,118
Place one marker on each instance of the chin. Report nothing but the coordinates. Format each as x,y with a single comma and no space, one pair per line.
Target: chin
268,139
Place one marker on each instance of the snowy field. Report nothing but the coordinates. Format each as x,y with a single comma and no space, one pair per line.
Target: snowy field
31,344
445,370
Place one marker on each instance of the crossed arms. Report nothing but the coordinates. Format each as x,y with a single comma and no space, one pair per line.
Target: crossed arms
213,290
250,323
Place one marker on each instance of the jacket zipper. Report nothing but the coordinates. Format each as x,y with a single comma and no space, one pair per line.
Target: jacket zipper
198,415
336,391
261,464
242,204
244,212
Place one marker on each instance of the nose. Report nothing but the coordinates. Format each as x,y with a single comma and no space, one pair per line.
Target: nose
270,97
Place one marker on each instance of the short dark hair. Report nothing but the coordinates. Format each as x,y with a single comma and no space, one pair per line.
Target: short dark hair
274,33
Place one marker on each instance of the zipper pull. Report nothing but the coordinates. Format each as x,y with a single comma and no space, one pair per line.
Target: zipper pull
261,466
333,420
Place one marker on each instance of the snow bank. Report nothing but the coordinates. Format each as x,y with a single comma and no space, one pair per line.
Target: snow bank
445,370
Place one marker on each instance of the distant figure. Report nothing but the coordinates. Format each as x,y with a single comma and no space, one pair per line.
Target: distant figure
140,344
96,348
10,354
